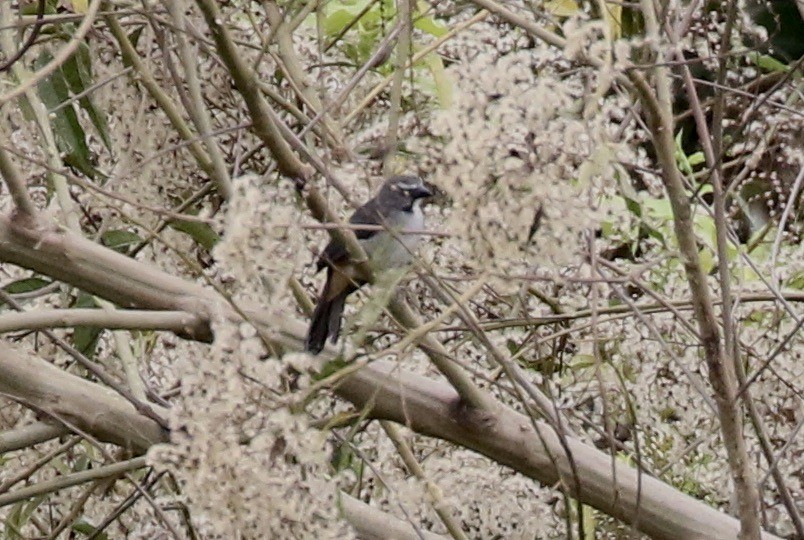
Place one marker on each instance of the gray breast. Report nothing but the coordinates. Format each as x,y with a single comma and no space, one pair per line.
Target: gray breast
392,250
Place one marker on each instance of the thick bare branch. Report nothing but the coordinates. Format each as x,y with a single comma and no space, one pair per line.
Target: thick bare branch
427,406
92,408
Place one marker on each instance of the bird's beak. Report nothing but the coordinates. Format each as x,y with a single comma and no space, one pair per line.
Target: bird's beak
420,192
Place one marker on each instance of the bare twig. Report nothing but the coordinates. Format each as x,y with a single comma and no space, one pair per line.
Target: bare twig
147,80
174,321
74,479
377,90
264,121
23,437
445,513
198,111
402,53
16,186
721,371
36,465
37,26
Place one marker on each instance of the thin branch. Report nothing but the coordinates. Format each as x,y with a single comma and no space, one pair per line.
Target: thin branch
198,112
264,120
372,523
23,437
713,152
122,345
721,371
377,90
435,496
74,479
788,209
31,468
126,504
529,26
37,26
296,73
16,186
471,395
147,80
361,227
380,52
174,321
400,61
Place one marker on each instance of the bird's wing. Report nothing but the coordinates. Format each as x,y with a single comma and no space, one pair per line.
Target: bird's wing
336,252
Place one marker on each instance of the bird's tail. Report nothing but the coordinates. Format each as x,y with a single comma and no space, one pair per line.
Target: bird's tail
326,320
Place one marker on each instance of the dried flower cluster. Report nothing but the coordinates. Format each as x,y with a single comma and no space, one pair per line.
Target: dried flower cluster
247,465
519,163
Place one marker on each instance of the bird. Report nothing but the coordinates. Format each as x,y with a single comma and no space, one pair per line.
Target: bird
397,207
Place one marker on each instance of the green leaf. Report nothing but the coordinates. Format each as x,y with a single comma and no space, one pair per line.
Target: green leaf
70,136
86,528
431,26
26,285
134,36
342,14
202,233
512,346
330,368
769,63
30,8
85,338
681,158
582,361
336,21
633,206
707,260
562,8
120,240
652,232
696,159
78,74
443,85
658,208
705,226
82,463
589,522
21,513
796,281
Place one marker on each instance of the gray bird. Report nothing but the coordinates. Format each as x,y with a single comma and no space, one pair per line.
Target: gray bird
397,207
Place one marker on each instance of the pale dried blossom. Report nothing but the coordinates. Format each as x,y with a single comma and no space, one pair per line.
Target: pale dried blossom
515,149
258,251
247,465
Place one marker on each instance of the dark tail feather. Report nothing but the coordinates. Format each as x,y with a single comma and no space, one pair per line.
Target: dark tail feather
319,325
336,315
326,321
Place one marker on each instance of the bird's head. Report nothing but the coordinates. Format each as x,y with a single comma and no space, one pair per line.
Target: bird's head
403,191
